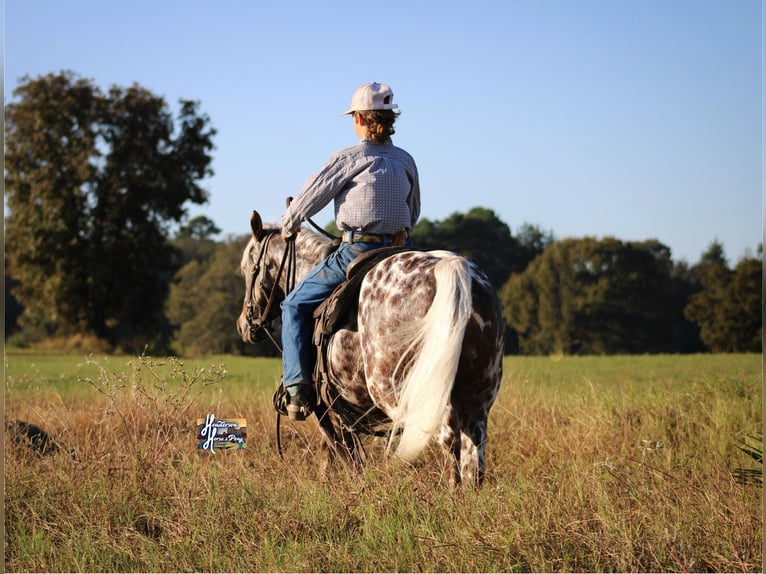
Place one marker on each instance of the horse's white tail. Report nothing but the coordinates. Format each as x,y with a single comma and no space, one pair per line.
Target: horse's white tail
437,343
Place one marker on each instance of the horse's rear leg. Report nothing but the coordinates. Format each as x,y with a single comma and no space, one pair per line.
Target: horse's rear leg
473,438
463,444
450,439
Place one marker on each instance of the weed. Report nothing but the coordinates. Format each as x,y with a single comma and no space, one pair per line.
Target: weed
152,401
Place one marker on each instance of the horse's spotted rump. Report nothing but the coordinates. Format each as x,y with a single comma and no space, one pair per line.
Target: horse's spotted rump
368,367
396,294
401,291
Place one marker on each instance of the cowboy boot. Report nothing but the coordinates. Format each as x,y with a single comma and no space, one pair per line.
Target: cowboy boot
301,400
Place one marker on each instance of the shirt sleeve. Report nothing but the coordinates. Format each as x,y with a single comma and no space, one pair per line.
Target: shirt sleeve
318,191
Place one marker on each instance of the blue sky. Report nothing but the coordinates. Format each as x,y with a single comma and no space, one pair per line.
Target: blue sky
640,119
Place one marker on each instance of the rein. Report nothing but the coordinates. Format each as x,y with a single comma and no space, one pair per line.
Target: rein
289,261
315,226
288,266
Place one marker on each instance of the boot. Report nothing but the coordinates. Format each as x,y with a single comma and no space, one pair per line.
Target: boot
301,399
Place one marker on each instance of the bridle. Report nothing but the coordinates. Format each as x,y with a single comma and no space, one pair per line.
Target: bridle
287,266
254,323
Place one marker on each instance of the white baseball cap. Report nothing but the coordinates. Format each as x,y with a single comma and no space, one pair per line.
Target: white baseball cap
371,96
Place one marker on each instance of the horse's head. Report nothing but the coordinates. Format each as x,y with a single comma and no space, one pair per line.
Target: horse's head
260,265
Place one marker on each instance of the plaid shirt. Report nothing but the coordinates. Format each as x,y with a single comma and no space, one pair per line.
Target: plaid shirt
375,188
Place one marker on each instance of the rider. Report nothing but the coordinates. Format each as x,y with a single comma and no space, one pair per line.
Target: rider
376,191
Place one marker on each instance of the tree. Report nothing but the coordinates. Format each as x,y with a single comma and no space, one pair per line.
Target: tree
206,298
714,256
729,308
92,182
12,308
593,296
199,227
533,241
193,241
686,334
478,235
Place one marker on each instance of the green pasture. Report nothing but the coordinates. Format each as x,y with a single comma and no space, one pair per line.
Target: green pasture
639,377
30,374
621,463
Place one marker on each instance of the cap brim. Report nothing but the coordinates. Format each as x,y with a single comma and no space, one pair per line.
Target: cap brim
351,111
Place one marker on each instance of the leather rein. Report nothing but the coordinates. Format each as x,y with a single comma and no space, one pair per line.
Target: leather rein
288,262
287,266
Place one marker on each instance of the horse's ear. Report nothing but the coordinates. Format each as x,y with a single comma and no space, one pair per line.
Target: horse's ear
256,225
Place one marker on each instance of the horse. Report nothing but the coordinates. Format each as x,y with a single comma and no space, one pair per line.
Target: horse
424,358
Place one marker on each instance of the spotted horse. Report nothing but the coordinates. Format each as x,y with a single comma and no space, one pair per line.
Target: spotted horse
423,357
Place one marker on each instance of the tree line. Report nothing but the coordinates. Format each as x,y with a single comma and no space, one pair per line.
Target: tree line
96,181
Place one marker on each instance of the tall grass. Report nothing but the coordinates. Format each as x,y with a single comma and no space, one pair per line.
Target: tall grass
594,464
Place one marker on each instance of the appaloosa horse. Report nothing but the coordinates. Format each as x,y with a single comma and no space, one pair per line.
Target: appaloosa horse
425,355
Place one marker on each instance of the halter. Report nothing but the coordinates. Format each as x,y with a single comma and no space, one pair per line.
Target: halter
289,262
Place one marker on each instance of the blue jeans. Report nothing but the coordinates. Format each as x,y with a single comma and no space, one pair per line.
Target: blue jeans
299,353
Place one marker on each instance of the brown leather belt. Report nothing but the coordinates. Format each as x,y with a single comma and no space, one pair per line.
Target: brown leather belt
361,237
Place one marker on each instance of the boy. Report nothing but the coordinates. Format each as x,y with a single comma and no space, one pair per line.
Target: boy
376,192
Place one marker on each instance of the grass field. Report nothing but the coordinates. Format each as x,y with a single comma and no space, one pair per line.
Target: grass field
593,464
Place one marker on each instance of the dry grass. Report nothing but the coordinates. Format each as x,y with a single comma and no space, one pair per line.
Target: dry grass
597,464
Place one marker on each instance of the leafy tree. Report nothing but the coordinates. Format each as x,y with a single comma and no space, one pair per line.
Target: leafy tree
532,304
199,227
713,256
686,334
92,183
479,235
12,308
206,298
593,296
729,308
194,241
533,241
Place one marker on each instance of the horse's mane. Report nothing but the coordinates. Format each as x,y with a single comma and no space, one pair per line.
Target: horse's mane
311,246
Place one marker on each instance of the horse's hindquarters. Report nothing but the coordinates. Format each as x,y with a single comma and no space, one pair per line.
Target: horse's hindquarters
481,362
439,310
394,296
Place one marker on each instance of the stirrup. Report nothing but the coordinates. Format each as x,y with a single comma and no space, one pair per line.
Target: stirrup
298,412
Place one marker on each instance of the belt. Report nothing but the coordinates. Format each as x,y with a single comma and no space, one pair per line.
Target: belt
361,237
